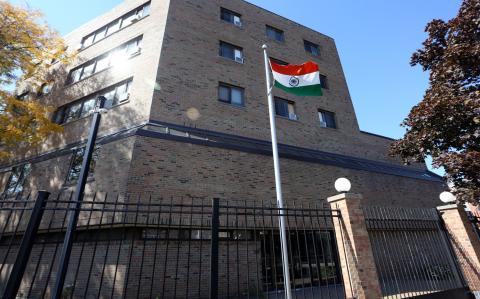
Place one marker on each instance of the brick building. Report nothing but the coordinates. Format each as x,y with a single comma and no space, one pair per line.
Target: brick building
188,114
188,118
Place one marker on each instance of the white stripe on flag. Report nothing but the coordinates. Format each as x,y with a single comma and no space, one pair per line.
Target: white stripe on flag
304,80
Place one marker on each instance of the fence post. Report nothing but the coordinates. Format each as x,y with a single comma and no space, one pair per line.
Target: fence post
26,246
465,243
214,250
359,273
78,198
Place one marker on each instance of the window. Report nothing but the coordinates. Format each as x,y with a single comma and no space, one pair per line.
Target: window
114,57
88,40
88,107
133,47
231,52
73,112
278,61
115,95
129,18
327,119
231,17
323,81
76,164
88,70
311,48
23,96
102,63
17,179
100,34
231,94
285,108
275,34
45,89
113,27
117,24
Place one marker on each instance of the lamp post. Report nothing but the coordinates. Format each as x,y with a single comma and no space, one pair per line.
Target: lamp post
78,198
447,197
342,185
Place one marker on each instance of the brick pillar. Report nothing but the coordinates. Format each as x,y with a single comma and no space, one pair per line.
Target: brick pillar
465,243
356,257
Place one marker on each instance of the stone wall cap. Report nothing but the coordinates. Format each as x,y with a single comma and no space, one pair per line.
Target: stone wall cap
447,207
344,196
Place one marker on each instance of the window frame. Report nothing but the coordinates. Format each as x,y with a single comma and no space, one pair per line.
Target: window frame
279,61
68,179
288,104
323,81
59,116
333,118
233,14
308,45
235,48
277,33
76,74
25,168
138,11
23,96
230,88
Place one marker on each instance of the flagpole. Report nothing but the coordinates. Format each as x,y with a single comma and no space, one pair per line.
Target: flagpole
278,180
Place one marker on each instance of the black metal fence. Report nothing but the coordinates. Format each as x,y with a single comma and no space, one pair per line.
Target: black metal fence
131,246
412,252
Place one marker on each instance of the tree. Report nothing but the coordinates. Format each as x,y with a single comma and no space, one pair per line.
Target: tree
28,51
446,123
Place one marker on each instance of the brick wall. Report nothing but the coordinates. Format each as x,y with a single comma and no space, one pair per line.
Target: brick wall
190,69
169,168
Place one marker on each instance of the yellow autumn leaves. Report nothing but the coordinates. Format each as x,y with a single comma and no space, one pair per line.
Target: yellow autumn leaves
29,51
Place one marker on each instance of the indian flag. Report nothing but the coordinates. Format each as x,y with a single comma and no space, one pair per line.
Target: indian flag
301,80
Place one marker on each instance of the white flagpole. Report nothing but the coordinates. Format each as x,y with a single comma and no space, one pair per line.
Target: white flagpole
278,180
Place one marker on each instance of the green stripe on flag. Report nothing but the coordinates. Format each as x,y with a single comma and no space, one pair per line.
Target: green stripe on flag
310,90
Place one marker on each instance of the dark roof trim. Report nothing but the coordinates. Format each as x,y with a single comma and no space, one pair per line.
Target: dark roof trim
167,131
69,148
222,140
376,135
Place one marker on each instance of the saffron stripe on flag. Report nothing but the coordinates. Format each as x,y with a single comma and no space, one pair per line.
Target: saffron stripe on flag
294,69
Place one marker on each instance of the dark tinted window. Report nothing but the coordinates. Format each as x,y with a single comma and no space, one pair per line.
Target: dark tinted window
76,164
323,81
285,108
115,95
278,61
230,51
230,16
311,48
17,179
231,94
327,119
275,34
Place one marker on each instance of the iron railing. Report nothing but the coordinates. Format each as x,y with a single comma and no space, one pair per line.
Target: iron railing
412,253
132,246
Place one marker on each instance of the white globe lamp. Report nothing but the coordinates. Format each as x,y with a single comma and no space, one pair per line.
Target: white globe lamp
342,185
447,197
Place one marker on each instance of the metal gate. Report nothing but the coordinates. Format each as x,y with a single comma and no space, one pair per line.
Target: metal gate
413,254
130,246
249,253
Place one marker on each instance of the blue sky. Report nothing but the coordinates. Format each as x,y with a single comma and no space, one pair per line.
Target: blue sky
375,39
